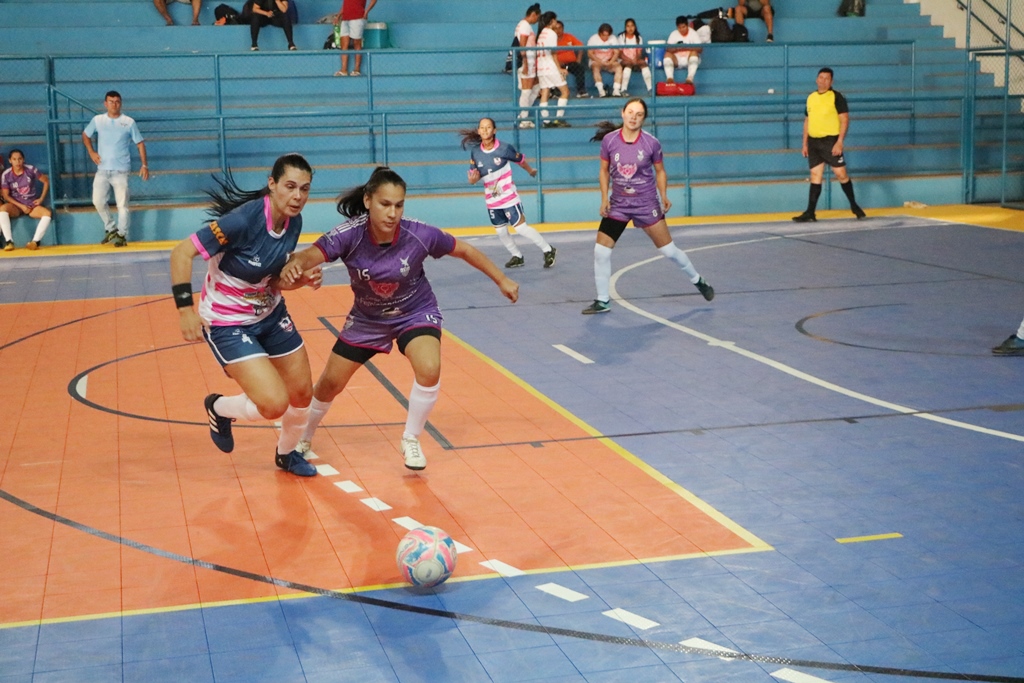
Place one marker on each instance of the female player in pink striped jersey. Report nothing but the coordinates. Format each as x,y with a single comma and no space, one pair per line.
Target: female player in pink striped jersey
490,160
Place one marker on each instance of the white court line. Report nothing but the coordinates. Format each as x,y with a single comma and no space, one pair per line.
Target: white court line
572,354
326,470
782,367
82,385
707,645
502,568
567,594
462,547
627,617
375,504
796,677
407,523
348,486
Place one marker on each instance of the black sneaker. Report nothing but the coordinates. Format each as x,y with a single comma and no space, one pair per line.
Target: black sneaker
706,290
515,262
120,241
805,217
108,235
858,212
294,463
549,258
1013,346
770,39
597,307
220,426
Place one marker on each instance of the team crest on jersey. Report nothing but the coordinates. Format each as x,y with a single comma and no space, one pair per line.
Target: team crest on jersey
404,270
385,290
286,324
627,171
497,161
218,233
640,155
255,261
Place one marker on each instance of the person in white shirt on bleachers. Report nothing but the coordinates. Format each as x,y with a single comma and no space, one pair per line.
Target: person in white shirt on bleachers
604,56
688,57
633,57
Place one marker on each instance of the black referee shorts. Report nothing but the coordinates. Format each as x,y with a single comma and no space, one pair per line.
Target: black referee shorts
819,151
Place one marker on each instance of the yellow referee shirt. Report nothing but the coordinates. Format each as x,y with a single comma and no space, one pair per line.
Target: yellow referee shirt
822,112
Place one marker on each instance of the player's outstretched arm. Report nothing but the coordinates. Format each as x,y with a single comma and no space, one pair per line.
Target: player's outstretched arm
476,258
300,265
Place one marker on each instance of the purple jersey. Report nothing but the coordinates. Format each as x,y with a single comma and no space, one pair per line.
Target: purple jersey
387,280
22,188
631,165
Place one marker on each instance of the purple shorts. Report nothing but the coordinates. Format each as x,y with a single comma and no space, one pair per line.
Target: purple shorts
379,334
642,216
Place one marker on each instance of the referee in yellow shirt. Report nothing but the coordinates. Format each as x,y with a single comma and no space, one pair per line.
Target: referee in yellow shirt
826,119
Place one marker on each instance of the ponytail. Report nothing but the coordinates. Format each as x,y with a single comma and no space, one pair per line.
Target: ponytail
603,128
229,196
350,203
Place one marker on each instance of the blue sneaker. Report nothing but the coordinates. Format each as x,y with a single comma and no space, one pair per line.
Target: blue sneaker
294,463
220,426
597,307
1013,346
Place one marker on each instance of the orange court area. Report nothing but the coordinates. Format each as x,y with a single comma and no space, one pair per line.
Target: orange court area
105,426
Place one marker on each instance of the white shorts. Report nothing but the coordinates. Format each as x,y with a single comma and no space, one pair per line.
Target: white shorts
550,79
353,28
530,63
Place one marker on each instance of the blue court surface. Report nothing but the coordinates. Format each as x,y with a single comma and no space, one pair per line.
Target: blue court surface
837,402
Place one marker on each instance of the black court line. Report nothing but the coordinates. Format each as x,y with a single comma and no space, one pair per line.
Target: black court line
503,623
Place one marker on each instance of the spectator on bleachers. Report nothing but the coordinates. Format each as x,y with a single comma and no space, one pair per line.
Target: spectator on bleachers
570,59
527,63
549,75
633,57
682,57
22,197
113,158
604,56
260,13
756,8
161,7
351,22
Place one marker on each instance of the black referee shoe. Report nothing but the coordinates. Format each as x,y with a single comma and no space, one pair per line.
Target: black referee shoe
805,217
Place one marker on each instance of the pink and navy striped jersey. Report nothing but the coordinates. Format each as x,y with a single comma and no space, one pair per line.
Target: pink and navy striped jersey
243,253
494,167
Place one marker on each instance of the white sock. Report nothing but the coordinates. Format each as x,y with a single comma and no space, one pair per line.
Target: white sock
615,89
317,410
5,225
544,111
600,88
673,252
1020,330
627,72
531,234
524,98
534,94
647,77
239,407
41,227
691,67
507,240
421,402
292,423
602,270
670,67
562,101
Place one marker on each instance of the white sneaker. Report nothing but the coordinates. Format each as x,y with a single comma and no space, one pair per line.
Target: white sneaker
305,449
526,123
414,458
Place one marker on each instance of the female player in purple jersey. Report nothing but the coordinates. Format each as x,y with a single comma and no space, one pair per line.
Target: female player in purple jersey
490,159
242,314
633,171
384,253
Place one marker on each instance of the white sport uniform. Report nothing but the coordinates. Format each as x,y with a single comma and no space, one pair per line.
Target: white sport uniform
690,60
527,38
548,73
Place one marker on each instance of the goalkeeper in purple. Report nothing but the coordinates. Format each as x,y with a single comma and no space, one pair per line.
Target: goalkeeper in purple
632,177
384,253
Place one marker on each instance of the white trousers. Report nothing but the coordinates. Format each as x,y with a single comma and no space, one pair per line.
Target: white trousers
101,185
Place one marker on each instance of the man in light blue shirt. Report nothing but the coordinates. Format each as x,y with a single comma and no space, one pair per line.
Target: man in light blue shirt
113,158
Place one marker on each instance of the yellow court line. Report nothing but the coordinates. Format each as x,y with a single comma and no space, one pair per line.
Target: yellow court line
876,537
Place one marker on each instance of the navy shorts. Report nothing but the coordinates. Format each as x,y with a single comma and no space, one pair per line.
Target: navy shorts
274,336
510,215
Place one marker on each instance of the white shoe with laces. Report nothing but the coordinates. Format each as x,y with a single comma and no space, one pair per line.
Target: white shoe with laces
305,449
414,458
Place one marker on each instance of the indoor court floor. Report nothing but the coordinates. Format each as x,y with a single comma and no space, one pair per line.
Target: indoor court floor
816,477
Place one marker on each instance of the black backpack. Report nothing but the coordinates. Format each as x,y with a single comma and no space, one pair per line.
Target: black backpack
720,31
851,8
740,34
227,13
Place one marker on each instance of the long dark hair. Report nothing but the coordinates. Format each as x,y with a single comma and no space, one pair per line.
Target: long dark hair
471,136
350,202
229,196
605,127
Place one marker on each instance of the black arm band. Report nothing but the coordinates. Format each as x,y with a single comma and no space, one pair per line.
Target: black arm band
182,295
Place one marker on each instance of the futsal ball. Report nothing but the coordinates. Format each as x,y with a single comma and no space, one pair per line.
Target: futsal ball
426,556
